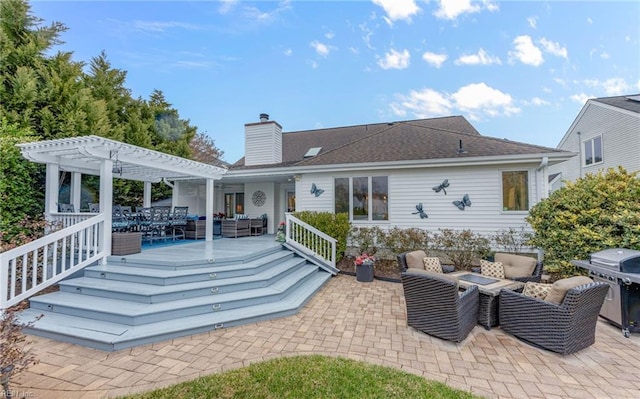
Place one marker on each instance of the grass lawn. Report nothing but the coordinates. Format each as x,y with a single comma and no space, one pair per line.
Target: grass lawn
312,376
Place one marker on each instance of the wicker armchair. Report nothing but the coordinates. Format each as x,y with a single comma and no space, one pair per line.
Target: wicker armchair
565,328
436,307
402,262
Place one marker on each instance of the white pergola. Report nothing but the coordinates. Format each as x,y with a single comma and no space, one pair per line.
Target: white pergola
99,156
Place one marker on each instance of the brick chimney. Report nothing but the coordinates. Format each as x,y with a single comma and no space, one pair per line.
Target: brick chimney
262,142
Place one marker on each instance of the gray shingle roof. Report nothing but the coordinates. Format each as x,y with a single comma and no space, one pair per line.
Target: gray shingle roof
622,102
422,139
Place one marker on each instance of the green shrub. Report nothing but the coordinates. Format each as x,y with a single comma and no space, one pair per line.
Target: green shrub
332,224
398,240
366,239
461,247
513,240
595,212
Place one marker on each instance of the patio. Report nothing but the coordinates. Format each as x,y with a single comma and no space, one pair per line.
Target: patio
363,321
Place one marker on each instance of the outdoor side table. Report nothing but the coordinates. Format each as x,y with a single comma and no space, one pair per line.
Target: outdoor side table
126,243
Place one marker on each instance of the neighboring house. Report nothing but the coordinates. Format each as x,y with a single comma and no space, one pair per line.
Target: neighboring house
385,174
606,133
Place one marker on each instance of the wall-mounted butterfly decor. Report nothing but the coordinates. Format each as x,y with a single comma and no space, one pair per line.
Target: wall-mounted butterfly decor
420,211
315,190
464,203
442,186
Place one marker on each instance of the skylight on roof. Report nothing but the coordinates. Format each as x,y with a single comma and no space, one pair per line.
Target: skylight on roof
634,98
312,152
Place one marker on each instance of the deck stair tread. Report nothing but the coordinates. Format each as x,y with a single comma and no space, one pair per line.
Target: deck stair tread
114,336
143,289
145,269
102,305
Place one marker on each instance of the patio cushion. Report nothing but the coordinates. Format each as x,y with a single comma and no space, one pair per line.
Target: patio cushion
516,265
432,264
536,290
415,259
559,288
491,269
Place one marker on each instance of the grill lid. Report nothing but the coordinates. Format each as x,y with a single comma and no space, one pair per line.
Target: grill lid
619,259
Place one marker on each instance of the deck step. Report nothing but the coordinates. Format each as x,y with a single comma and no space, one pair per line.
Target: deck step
165,276
148,293
111,336
135,313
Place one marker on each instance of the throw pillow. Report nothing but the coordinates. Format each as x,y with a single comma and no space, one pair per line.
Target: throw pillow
491,269
559,289
432,265
415,259
536,290
516,265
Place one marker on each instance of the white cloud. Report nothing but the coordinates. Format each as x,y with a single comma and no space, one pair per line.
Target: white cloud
321,48
553,48
398,9
610,87
580,98
288,52
477,100
434,59
533,22
604,56
257,15
526,52
451,9
395,60
480,58
226,6
538,101
329,35
589,21
424,103
162,26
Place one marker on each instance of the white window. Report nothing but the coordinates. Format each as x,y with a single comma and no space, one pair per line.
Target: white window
365,198
515,190
593,151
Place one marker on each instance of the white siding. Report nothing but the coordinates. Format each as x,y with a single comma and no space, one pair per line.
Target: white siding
192,194
262,143
408,188
269,204
620,133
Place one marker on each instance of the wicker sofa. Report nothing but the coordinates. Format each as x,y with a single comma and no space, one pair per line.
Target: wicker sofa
516,267
563,328
413,259
236,228
436,307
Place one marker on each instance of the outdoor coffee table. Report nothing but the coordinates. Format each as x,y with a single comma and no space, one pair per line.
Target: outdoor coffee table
489,289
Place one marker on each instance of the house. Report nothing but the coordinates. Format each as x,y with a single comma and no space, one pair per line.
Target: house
606,133
429,173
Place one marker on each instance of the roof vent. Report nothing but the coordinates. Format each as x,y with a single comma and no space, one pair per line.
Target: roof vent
460,149
264,117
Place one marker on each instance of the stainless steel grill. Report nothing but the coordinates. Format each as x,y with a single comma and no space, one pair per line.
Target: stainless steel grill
620,268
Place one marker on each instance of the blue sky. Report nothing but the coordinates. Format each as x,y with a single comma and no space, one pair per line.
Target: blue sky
516,70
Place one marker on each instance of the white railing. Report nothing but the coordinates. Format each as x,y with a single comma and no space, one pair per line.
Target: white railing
310,240
65,220
41,263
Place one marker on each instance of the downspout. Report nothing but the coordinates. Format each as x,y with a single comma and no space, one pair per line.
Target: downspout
543,181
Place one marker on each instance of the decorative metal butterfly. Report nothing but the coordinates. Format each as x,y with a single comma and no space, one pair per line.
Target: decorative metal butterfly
442,186
420,211
464,203
315,190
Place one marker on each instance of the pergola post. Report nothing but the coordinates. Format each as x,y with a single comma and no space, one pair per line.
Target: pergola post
209,209
76,190
106,203
146,195
51,190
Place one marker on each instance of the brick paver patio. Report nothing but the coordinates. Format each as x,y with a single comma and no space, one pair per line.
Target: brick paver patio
362,321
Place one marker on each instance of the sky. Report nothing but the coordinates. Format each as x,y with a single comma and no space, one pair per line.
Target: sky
517,70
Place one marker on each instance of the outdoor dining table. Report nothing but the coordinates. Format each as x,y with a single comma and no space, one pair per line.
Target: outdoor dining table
489,288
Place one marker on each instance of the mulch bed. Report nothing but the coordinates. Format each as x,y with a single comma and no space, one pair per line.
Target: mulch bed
383,269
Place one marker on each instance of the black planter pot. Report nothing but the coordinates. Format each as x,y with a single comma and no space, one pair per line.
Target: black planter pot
364,273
